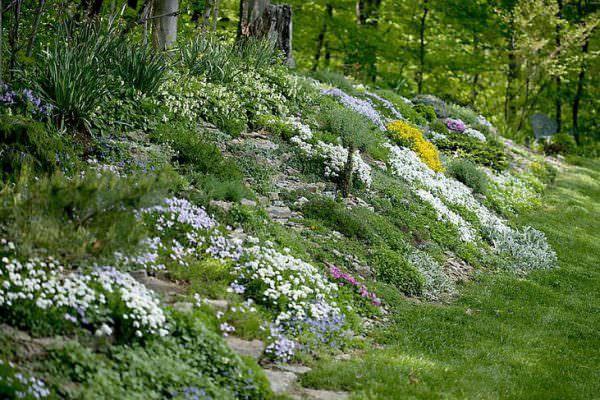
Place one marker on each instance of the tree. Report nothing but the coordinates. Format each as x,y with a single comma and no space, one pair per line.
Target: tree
164,23
421,71
263,20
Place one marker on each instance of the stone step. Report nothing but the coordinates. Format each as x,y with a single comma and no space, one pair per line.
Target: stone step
250,348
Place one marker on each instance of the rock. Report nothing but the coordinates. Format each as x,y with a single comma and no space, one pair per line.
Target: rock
315,394
251,348
281,381
219,305
294,368
301,201
183,306
224,205
273,196
343,357
263,200
279,212
166,288
139,274
248,203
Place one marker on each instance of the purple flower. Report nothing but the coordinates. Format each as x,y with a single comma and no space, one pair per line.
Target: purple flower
455,125
364,107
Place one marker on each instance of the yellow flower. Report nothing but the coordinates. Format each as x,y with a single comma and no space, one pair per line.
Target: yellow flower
406,135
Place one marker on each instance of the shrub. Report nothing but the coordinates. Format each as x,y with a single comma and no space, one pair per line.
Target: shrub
465,114
468,173
438,126
70,77
427,111
490,153
524,250
562,143
411,137
87,215
139,67
32,144
350,126
335,216
391,267
438,104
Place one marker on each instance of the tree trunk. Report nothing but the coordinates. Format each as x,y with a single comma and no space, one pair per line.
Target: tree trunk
262,20
90,8
321,37
558,79
164,23
421,72
367,17
346,176
1,42
13,36
475,81
579,91
36,26
510,108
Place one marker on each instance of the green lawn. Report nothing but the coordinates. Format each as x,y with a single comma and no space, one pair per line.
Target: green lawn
506,337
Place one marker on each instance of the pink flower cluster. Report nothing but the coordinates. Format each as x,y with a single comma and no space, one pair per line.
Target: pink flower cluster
346,278
455,125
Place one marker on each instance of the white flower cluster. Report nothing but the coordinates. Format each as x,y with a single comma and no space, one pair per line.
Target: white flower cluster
437,283
290,285
407,165
445,214
143,309
184,232
474,133
335,155
513,192
84,299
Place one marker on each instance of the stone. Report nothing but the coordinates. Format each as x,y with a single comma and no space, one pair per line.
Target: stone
301,201
281,381
139,274
279,212
224,205
219,305
166,288
273,196
248,203
251,348
183,306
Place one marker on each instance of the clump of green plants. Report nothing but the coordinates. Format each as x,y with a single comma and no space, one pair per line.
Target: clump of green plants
86,216
409,112
467,172
438,126
562,143
334,79
489,154
31,144
391,267
335,216
192,361
427,111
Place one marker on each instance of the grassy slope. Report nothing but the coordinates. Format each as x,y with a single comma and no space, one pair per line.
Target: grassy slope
506,337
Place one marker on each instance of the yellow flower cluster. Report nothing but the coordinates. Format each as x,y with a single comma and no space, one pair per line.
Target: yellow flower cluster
406,135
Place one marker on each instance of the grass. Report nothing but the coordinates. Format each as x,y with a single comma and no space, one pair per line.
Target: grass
508,337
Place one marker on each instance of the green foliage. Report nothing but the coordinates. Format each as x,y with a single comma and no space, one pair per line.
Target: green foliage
336,216
467,172
490,153
86,217
334,79
561,143
427,111
139,67
409,112
192,358
467,115
32,144
391,267
438,105
438,126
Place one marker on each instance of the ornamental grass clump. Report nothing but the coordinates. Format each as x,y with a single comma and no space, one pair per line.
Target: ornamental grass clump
411,137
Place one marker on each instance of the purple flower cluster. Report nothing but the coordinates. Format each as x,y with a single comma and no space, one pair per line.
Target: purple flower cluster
24,99
455,125
281,348
347,279
363,107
